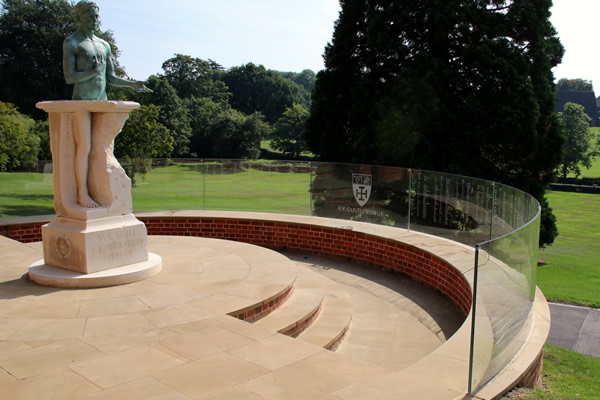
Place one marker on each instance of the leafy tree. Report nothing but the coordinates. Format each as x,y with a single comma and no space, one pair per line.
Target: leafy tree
459,86
143,136
42,131
256,89
306,78
195,77
235,135
579,148
203,112
31,37
173,114
575,85
288,131
18,142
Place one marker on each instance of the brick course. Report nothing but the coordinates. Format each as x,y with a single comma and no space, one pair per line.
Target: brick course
356,246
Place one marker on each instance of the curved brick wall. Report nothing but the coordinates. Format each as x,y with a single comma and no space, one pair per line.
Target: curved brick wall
356,246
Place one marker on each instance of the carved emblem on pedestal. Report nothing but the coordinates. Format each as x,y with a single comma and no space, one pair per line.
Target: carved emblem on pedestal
64,247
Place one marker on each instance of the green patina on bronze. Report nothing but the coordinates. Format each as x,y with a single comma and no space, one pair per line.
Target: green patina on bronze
87,59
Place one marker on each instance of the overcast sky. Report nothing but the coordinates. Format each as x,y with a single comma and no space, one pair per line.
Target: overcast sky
286,35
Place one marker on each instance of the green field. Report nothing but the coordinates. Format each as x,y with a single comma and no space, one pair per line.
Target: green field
176,187
25,193
186,187
573,271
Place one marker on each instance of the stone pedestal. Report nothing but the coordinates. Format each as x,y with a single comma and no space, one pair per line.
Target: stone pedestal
94,245
90,240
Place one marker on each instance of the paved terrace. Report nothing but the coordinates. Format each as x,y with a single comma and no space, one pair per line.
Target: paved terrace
232,320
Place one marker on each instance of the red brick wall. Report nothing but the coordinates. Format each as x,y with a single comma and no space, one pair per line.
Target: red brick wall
533,377
24,233
356,246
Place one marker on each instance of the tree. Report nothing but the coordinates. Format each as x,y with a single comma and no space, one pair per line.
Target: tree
288,131
579,148
458,86
18,142
203,112
256,89
143,136
575,85
173,114
306,78
195,77
235,135
31,37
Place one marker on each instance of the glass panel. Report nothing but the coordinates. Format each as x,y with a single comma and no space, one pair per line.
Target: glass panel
505,293
258,185
166,184
361,193
451,206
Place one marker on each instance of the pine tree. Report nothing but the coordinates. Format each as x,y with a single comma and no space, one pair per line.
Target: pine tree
458,86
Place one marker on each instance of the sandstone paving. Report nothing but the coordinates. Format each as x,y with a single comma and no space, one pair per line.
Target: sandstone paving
168,337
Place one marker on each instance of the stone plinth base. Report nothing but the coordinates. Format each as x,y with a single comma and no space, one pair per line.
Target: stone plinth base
46,275
94,245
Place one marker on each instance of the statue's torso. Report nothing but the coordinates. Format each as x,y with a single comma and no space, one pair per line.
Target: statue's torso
85,52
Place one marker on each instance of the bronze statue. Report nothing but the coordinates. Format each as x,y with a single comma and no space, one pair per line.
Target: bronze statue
88,64
87,59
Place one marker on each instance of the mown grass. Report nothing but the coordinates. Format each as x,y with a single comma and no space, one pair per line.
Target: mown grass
567,376
176,187
186,187
572,273
25,193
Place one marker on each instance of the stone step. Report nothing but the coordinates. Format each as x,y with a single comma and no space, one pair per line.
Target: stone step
390,328
332,324
301,308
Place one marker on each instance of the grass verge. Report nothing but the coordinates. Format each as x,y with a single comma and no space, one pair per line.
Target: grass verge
567,376
572,274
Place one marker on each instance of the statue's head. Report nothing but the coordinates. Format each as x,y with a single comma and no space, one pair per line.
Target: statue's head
84,9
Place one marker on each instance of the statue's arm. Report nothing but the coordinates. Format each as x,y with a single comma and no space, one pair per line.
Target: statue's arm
114,80
72,76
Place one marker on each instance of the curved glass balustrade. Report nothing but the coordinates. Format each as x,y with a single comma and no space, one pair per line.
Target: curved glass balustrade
500,222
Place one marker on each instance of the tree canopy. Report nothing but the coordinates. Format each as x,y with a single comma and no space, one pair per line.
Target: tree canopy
288,131
575,85
18,140
459,86
579,149
256,89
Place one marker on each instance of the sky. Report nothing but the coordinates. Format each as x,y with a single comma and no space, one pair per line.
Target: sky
284,35
287,35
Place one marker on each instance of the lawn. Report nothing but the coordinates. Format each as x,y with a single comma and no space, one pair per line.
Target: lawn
185,186
573,271
25,193
567,376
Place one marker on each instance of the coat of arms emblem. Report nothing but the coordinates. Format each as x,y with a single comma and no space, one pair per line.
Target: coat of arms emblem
361,187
